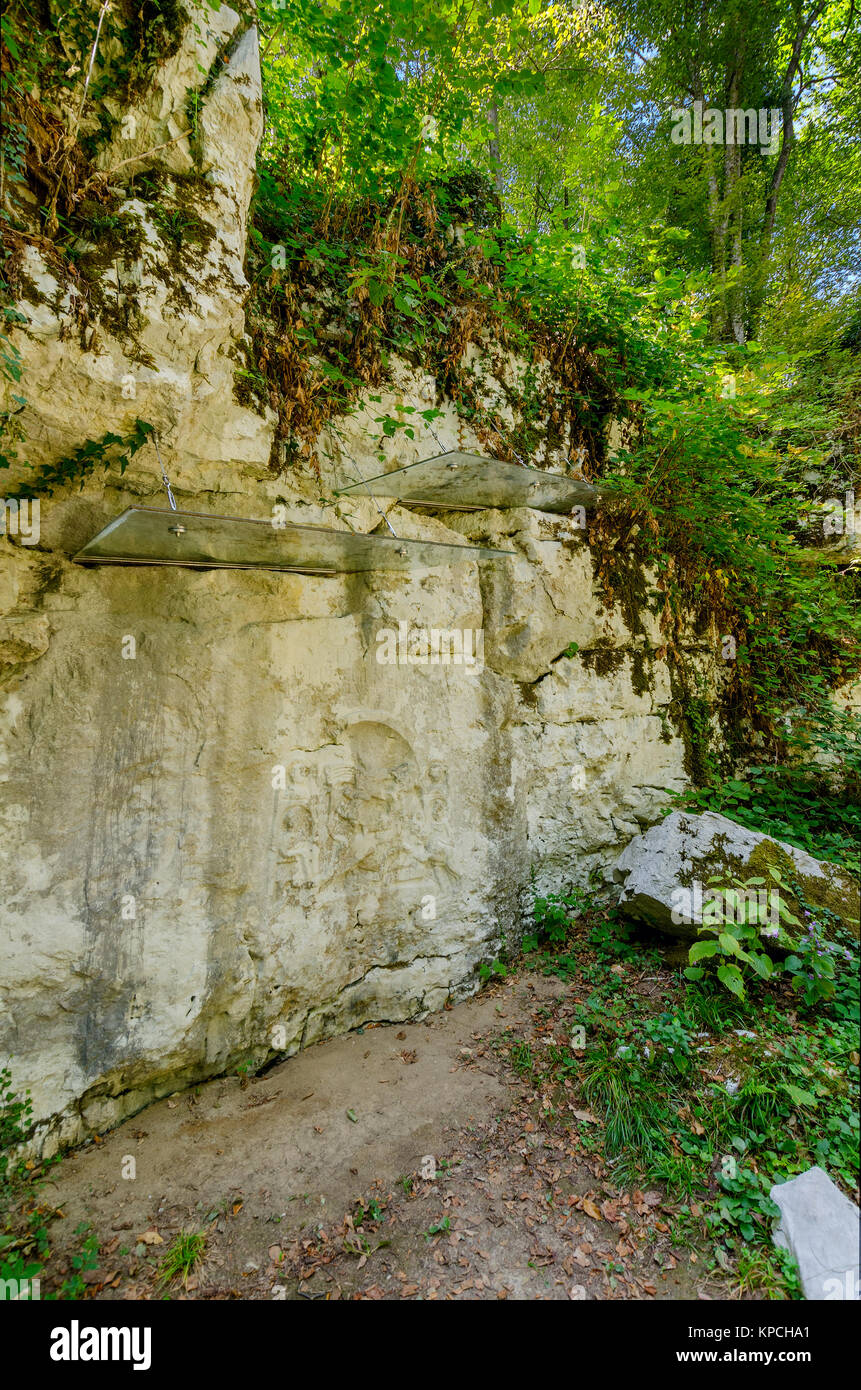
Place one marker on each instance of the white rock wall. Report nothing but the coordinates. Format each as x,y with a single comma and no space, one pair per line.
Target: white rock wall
167,909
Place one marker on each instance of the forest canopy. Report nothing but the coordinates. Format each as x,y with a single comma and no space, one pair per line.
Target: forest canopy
569,110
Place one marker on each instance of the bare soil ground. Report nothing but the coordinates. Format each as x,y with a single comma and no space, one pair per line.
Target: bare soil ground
308,1180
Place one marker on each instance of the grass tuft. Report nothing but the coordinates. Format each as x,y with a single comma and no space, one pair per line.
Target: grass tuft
181,1256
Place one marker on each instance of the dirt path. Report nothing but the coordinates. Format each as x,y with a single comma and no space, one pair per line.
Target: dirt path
272,1170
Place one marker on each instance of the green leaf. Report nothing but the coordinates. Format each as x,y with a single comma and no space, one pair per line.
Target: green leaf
762,964
797,1096
730,976
701,950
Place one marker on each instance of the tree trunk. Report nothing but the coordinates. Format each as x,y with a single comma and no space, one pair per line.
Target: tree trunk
735,213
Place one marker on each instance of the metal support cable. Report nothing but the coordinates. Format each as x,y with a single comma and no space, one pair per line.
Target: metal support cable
346,451
164,476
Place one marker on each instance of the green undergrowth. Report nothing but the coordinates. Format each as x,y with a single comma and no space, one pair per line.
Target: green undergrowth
25,1212
339,287
111,451
713,1097
812,802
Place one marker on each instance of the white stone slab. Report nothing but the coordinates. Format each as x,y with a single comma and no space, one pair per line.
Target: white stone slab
819,1226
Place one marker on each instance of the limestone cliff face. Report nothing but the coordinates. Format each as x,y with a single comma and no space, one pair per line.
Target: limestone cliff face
229,829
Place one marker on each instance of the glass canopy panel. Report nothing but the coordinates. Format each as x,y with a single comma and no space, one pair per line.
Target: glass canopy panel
149,536
471,482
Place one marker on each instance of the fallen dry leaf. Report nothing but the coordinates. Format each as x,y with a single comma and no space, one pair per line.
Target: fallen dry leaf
150,1237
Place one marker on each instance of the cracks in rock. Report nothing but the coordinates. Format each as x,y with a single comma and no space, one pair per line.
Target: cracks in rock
386,965
553,604
551,670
